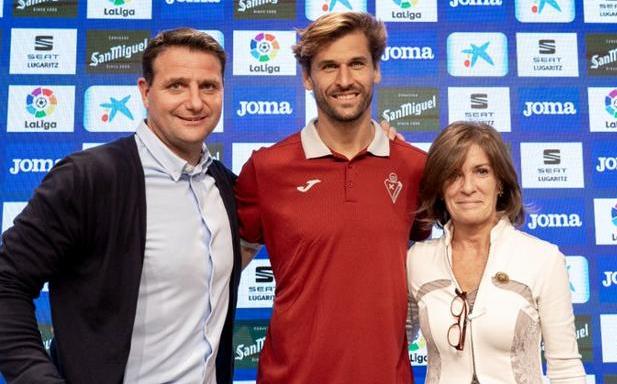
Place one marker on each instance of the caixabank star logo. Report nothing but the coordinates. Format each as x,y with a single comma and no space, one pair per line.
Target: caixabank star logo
544,11
112,108
477,54
316,8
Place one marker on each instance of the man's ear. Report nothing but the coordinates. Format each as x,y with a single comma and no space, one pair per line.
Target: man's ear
306,79
377,78
144,88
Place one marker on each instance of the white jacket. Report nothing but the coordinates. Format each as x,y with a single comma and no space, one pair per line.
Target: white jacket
509,317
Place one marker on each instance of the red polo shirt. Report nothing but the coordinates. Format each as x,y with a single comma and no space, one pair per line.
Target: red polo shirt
337,233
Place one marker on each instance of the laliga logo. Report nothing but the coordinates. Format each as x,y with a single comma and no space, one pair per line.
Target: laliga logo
610,278
404,4
610,103
41,103
264,47
119,10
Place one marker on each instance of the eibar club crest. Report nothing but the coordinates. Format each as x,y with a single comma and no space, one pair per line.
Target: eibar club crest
393,186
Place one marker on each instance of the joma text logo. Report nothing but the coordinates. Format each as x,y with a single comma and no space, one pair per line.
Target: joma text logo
549,108
264,108
456,3
32,165
610,278
554,220
408,53
606,164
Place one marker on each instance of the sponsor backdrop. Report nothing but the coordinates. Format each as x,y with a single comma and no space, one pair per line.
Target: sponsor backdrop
543,72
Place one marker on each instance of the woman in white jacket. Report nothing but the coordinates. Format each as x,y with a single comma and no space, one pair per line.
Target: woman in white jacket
486,293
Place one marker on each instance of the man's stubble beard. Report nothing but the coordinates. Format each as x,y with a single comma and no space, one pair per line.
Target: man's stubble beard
335,116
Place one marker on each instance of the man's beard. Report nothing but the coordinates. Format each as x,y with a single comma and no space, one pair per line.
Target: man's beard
333,114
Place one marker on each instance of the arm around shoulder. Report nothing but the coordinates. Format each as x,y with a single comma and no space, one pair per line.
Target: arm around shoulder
247,200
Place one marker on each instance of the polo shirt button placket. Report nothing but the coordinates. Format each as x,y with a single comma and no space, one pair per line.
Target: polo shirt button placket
350,194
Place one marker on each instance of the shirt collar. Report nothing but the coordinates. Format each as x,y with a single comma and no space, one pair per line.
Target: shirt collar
314,147
496,231
171,163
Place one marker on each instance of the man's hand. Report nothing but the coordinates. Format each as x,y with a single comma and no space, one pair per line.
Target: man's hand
390,132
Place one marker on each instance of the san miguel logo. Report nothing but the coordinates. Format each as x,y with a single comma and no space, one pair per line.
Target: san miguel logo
264,9
45,8
601,54
410,109
248,341
115,51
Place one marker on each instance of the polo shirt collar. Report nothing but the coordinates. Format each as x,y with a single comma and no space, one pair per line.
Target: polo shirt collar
314,147
171,164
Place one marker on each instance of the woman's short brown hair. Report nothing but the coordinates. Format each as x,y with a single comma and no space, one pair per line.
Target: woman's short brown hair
180,37
333,26
446,157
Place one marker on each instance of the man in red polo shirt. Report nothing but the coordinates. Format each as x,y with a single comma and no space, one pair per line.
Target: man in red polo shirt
334,205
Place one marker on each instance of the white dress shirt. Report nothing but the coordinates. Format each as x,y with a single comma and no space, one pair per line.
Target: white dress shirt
184,288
